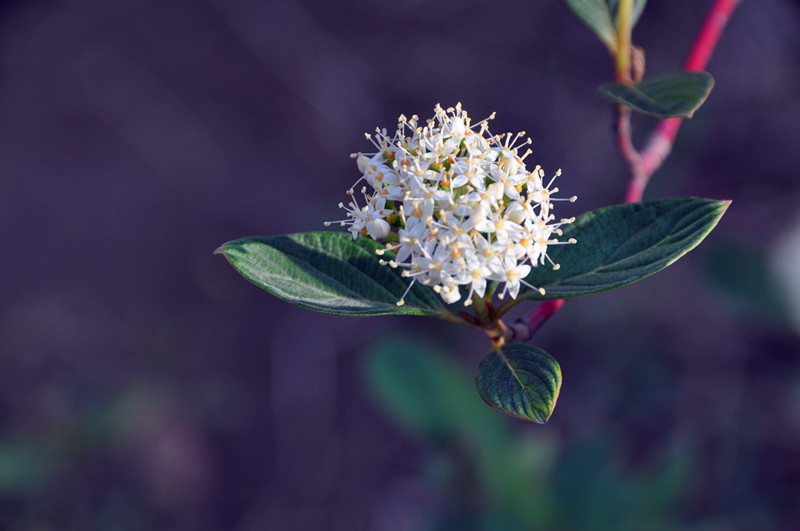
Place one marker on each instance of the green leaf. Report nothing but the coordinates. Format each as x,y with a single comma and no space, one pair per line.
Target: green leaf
520,380
329,272
621,244
596,16
674,95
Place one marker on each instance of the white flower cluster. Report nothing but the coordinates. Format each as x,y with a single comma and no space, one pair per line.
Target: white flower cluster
456,204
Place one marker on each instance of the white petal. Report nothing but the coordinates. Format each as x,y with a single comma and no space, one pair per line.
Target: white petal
378,229
513,289
458,181
450,294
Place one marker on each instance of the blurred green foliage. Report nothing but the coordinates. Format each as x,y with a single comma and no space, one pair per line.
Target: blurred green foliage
743,274
519,476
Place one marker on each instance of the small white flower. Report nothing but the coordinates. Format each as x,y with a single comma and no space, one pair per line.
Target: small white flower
513,276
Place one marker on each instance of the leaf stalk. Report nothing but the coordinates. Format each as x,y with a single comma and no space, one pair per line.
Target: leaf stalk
623,52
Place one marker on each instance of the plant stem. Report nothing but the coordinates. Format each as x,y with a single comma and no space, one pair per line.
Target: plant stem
642,165
623,58
525,329
660,143
706,40
634,159
497,333
481,311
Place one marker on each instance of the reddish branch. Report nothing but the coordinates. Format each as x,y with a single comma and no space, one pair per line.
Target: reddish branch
660,143
643,165
523,330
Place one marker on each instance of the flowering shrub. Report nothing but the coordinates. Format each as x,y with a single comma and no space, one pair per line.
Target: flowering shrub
446,213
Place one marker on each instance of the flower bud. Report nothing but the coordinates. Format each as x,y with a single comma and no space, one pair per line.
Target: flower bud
362,162
378,228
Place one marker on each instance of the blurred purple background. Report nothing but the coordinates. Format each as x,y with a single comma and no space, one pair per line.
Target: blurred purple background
145,385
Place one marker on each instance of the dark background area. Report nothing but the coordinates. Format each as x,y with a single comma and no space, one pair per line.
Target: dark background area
145,385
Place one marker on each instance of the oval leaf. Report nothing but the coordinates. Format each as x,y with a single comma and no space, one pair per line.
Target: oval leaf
329,272
621,244
596,16
667,96
520,380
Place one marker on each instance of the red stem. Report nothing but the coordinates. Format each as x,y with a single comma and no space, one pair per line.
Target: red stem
542,313
644,164
660,143
709,34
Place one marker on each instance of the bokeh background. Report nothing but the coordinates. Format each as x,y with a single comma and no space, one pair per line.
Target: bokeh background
145,385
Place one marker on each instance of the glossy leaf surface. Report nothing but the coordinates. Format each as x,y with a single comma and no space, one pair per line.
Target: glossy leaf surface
520,380
621,244
329,272
676,95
